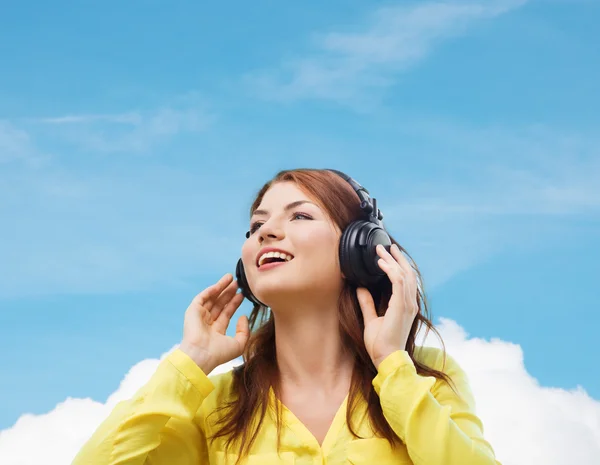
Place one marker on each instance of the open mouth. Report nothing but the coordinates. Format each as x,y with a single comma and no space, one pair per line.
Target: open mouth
274,257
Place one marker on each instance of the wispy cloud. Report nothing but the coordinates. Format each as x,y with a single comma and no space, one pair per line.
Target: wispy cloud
125,118
520,171
495,189
132,131
16,145
102,224
342,65
105,232
108,231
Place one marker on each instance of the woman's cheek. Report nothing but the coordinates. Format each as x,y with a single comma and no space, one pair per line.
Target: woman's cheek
247,256
324,249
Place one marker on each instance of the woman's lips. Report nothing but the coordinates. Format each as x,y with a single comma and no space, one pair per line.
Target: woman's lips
268,266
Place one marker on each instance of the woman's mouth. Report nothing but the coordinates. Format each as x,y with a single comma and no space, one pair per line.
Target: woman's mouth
271,257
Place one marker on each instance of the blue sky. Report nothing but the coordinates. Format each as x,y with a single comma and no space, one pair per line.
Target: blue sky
133,136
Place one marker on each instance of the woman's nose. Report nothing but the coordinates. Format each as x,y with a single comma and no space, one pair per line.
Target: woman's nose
270,231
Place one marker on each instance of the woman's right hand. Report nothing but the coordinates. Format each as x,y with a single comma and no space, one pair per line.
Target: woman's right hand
205,324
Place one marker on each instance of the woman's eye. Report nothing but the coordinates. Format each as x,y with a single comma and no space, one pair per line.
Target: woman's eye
254,227
303,215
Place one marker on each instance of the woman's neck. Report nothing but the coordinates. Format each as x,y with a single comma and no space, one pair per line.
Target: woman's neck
310,354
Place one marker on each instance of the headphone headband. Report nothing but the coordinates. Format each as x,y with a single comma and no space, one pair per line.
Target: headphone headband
368,205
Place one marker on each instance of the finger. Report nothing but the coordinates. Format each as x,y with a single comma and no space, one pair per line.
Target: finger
222,300
384,254
409,287
396,277
395,271
223,316
207,296
391,267
367,305
400,258
411,275
222,321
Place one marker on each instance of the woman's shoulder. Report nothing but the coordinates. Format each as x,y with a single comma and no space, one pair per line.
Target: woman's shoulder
436,358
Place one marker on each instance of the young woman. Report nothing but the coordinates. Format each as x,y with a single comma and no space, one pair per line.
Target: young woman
331,372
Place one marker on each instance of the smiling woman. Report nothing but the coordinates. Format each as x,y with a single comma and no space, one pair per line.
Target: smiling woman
331,371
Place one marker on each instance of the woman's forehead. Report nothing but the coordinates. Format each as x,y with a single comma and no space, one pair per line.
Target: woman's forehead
281,194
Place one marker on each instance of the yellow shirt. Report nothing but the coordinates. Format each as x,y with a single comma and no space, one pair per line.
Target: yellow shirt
164,422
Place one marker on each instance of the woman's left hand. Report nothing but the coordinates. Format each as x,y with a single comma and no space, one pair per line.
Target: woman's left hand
389,333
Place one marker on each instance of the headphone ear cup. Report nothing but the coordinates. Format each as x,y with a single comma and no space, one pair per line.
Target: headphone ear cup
376,235
358,255
348,254
240,275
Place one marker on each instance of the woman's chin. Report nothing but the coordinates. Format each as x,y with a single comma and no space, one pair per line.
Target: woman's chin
278,293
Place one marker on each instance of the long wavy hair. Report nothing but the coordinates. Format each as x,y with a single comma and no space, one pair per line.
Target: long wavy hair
253,379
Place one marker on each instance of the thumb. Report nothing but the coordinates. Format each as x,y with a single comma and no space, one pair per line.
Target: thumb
367,305
242,331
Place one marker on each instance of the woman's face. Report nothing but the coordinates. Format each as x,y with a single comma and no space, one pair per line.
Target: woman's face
292,223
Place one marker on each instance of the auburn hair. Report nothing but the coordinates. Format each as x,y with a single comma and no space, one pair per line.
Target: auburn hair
252,380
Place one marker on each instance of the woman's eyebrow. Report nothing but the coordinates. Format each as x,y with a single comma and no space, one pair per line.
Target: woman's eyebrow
289,206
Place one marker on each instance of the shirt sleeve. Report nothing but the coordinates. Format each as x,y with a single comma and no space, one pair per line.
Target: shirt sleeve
437,425
159,424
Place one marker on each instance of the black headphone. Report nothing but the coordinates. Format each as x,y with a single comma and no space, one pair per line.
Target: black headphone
358,257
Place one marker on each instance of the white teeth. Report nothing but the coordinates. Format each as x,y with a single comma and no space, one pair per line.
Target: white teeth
282,255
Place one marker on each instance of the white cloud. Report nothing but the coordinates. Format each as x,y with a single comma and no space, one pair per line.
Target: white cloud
60,433
524,421
345,64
